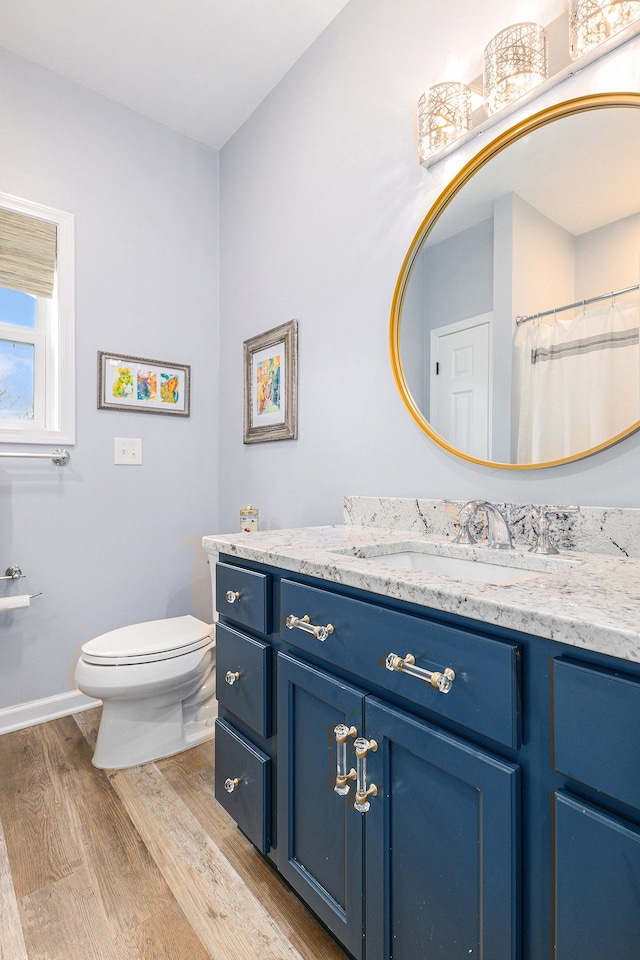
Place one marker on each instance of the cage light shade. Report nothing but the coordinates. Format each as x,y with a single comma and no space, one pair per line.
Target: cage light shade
444,114
515,61
592,22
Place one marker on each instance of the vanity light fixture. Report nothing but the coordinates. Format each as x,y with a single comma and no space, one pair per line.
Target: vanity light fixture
515,61
444,114
592,22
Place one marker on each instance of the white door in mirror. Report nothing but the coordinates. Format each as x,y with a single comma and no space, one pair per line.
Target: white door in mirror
460,401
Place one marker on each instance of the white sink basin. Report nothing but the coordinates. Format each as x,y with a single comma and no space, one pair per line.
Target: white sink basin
464,565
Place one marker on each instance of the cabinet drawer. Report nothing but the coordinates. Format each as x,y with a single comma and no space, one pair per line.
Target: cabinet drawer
596,723
485,693
248,803
243,677
243,596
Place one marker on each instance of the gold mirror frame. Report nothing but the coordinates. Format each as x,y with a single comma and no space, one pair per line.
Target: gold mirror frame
519,130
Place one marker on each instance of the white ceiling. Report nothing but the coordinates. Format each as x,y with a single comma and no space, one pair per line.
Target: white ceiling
198,66
581,172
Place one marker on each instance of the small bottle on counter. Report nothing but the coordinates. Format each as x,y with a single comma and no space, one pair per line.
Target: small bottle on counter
249,519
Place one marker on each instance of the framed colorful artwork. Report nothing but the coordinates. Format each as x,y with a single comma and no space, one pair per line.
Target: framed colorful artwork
147,386
270,384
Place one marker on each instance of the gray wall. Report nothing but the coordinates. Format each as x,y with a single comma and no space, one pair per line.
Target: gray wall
321,195
608,258
112,545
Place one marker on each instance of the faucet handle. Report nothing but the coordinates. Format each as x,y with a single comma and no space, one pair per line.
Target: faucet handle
540,524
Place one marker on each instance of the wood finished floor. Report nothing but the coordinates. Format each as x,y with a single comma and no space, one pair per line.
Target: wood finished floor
140,863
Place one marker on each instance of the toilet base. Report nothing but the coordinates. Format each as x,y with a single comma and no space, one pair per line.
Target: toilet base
132,732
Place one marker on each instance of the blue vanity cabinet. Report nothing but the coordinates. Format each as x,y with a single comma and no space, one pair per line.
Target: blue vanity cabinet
435,856
505,819
596,815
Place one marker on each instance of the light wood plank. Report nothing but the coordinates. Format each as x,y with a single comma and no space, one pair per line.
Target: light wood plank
164,936
227,917
33,808
65,920
123,874
12,945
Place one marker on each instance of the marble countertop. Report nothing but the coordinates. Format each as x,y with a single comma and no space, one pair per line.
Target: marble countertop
593,603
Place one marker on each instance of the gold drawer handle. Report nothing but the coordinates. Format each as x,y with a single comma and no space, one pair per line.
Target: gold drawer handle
302,623
440,681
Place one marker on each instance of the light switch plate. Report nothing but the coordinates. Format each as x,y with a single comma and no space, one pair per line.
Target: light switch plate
127,450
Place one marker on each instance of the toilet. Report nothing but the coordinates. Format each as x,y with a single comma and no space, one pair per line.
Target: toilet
156,681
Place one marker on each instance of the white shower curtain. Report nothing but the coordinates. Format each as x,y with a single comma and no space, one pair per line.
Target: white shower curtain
576,382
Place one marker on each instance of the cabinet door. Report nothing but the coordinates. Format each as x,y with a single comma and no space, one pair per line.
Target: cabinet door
597,880
320,835
442,844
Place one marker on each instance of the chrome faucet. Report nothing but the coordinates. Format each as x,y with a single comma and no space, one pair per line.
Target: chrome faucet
498,533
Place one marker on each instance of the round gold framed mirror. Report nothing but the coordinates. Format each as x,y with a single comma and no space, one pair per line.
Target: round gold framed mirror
514,323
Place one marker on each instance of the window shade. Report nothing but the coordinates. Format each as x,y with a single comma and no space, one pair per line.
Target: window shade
27,253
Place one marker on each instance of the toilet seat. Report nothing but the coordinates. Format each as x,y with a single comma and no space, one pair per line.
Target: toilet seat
149,642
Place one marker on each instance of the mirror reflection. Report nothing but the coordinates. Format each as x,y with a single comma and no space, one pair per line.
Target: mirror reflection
516,318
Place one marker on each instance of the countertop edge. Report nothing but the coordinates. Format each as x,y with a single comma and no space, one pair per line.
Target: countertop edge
586,607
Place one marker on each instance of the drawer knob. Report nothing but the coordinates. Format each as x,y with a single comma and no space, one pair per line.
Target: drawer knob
302,623
232,596
231,784
231,677
343,775
442,681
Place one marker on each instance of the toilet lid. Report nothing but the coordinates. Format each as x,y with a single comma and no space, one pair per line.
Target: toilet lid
152,640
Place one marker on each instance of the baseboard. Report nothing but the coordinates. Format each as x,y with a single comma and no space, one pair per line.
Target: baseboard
39,711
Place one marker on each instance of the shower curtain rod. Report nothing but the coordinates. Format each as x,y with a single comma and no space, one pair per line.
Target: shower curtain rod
578,303
59,457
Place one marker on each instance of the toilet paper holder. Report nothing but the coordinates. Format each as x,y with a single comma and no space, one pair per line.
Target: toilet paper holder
15,573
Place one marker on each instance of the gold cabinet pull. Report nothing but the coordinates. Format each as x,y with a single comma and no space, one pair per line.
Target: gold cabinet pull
342,733
302,623
363,791
232,784
442,681
232,596
230,677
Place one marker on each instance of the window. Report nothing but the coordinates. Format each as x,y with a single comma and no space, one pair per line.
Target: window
36,323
